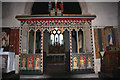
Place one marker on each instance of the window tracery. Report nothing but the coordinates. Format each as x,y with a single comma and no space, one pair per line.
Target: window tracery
56,37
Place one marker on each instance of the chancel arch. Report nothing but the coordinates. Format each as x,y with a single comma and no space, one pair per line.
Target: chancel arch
29,5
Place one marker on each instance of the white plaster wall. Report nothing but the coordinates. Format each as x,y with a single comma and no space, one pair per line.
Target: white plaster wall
9,11
0,14
16,64
106,15
119,20
119,14
106,12
97,65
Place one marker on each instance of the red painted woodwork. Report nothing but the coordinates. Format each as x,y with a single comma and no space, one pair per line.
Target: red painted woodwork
14,40
56,19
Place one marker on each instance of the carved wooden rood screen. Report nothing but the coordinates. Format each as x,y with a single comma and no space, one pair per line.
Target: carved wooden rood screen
81,56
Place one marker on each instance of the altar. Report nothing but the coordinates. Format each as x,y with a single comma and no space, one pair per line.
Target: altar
8,61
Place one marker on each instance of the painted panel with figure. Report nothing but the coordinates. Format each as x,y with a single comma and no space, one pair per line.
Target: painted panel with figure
76,62
37,63
23,63
82,62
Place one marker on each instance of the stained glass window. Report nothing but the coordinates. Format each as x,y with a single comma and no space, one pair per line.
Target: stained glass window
61,39
56,37
58,31
52,39
54,32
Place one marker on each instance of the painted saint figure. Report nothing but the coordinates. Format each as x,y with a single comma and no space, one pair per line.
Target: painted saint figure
37,63
75,63
89,63
23,63
82,62
30,62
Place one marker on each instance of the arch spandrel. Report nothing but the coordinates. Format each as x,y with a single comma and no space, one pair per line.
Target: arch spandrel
38,28
45,29
65,29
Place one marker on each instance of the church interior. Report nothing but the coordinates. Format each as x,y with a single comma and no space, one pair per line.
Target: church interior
57,39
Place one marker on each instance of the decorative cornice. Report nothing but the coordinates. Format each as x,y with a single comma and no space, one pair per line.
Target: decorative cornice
54,18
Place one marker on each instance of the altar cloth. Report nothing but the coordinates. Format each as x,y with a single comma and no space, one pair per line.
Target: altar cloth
10,62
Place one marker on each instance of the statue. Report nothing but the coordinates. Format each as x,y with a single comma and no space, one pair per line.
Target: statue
110,40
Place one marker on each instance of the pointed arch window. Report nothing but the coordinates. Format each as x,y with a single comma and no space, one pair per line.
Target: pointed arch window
56,37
